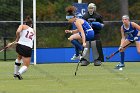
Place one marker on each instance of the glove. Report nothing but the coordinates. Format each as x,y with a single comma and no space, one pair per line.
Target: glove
120,48
97,25
136,38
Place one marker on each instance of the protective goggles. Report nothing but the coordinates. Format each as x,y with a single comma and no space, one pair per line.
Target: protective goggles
69,17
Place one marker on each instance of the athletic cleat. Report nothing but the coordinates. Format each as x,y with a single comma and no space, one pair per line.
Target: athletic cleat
18,76
15,76
97,62
84,62
119,66
75,57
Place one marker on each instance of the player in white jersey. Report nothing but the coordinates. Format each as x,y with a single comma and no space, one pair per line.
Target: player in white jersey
24,40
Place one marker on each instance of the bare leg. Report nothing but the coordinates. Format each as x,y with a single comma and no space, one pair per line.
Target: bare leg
138,46
17,64
26,63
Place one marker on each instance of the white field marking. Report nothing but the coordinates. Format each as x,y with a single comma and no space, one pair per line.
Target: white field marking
32,85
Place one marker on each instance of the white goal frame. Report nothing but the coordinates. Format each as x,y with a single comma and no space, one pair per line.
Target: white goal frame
34,23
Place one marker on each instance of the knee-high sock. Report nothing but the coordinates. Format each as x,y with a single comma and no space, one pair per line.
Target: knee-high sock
22,69
77,44
16,66
76,51
122,57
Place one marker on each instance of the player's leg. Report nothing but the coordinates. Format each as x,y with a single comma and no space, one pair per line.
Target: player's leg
76,56
97,52
122,55
121,64
86,56
25,52
26,63
74,40
100,50
17,65
86,53
138,46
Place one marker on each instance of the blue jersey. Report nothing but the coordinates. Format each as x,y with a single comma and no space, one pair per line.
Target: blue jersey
130,31
89,32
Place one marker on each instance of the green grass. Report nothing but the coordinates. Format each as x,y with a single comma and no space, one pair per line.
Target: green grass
59,78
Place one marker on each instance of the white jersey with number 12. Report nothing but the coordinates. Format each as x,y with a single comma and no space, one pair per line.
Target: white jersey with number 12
26,37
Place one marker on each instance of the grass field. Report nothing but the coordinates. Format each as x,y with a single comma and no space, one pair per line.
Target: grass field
59,78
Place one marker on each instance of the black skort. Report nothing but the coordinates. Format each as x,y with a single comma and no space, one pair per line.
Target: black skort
23,50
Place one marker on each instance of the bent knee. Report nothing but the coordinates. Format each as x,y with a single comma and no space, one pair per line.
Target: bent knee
70,38
139,51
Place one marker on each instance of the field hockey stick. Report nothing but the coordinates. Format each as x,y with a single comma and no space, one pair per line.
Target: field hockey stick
78,64
110,56
3,49
80,61
77,67
8,45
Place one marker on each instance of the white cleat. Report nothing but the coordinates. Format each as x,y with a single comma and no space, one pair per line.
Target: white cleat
75,57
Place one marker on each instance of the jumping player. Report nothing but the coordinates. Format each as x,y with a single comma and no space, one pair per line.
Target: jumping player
130,32
24,43
84,31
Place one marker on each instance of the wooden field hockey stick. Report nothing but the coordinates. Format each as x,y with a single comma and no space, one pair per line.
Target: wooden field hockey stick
114,53
7,46
79,61
83,53
77,67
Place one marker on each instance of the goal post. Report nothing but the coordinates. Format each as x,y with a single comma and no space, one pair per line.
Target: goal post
34,24
21,11
34,27
79,1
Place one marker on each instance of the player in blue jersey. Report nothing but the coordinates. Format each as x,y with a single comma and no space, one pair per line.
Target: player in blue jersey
84,31
130,31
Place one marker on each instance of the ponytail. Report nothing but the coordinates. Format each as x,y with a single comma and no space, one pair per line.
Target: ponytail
28,21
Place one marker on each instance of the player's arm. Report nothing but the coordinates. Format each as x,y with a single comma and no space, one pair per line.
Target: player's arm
122,39
137,27
18,32
72,31
99,24
10,44
123,36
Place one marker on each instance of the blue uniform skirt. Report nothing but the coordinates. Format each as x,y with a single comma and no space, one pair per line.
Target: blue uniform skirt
132,38
89,35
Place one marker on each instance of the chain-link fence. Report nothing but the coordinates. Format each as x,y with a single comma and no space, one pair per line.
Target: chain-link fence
49,33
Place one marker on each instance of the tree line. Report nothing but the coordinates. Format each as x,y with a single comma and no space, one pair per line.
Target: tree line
54,10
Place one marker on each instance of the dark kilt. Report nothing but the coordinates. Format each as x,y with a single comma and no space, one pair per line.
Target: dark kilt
23,50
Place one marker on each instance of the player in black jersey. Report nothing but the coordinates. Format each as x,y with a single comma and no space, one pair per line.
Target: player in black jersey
96,21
